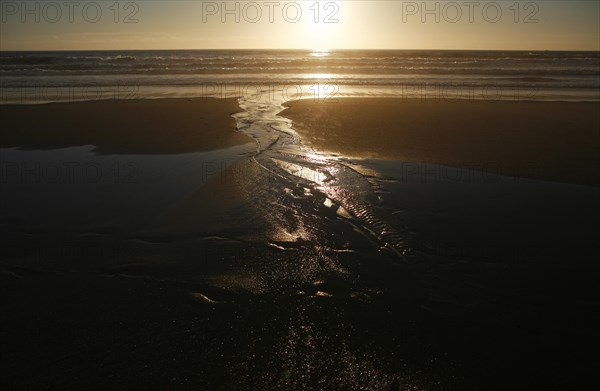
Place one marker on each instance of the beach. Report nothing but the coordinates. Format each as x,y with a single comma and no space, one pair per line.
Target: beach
156,126
75,167
181,241
546,140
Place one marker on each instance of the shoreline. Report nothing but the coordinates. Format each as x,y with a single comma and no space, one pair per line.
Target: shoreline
233,90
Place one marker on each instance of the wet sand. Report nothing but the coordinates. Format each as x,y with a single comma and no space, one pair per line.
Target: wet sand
206,296
161,126
556,141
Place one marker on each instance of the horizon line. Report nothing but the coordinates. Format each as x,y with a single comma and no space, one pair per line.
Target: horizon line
303,49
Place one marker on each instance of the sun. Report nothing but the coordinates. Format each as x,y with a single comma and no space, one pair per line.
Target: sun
323,33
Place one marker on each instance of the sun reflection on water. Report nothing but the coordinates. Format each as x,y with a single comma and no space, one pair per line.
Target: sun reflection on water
319,76
320,53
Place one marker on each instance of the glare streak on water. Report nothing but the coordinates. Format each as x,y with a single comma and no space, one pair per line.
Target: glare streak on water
281,154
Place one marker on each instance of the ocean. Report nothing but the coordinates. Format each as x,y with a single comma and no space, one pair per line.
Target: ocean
38,77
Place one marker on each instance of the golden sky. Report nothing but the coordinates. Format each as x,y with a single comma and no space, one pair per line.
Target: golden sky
488,25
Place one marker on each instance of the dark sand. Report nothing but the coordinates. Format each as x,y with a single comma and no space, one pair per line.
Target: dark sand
185,311
160,126
548,140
